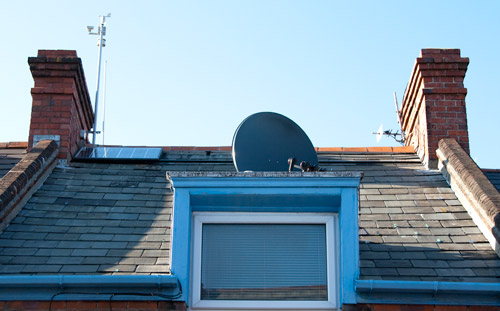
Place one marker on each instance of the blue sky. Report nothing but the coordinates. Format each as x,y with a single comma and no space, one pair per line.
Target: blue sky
188,72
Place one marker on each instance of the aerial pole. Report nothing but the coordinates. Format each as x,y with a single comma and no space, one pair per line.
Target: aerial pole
101,42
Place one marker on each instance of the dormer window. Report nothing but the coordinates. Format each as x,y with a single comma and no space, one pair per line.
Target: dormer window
265,240
264,259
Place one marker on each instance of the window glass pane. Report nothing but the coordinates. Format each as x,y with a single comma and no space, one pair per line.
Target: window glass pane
264,262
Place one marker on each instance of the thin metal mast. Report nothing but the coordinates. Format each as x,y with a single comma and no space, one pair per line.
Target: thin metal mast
101,42
104,101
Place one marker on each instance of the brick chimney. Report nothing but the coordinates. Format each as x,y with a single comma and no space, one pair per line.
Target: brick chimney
434,103
61,104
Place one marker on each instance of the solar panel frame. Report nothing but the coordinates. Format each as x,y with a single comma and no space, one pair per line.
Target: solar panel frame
118,154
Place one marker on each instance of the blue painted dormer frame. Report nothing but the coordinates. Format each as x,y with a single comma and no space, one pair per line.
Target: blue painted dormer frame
295,192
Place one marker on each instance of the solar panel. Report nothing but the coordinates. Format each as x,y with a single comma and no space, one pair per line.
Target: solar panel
118,153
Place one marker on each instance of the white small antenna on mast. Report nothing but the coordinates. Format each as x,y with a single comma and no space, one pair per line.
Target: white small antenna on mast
101,42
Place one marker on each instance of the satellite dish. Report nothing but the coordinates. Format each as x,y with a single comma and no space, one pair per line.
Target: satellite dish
266,140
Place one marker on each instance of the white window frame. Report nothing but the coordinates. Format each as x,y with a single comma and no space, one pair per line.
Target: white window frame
332,242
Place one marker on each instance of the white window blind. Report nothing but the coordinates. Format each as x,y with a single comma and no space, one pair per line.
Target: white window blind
264,262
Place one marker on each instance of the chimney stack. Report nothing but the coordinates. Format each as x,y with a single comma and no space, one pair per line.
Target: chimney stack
61,104
434,103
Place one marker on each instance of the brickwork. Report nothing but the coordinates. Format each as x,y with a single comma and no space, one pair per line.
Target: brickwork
473,188
434,103
17,186
93,305
61,103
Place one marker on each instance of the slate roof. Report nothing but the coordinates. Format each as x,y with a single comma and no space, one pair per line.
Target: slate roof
493,176
104,218
9,158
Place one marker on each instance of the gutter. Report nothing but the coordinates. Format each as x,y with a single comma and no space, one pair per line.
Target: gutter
427,292
89,287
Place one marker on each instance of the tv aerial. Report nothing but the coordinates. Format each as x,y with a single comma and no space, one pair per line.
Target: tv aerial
397,135
270,142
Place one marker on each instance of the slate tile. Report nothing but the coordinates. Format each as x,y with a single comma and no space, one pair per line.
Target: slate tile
482,246
27,260
62,236
374,217
432,203
393,224
440,196
117,268
119,230
429,263
373,255
395,247
447,231
128,237
405,217
53,252
416,272
15,251
153,268
65,260
11,243
393,210
458,223
471,230
118,196
89,252
408,255
459,247
370,239
11,269
101,189
379,271
46,268
414,231
109,245
136,223
40,244
79,268
138,261
85,230
96,237
155,253
438,216
163,261
158,204
88,195
144,245
399,203
392,263
161,224
454,202
455,272
101,260
370,204
432,239
399,239
74,244
492,263
394,191
125,252
468,264
462,216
